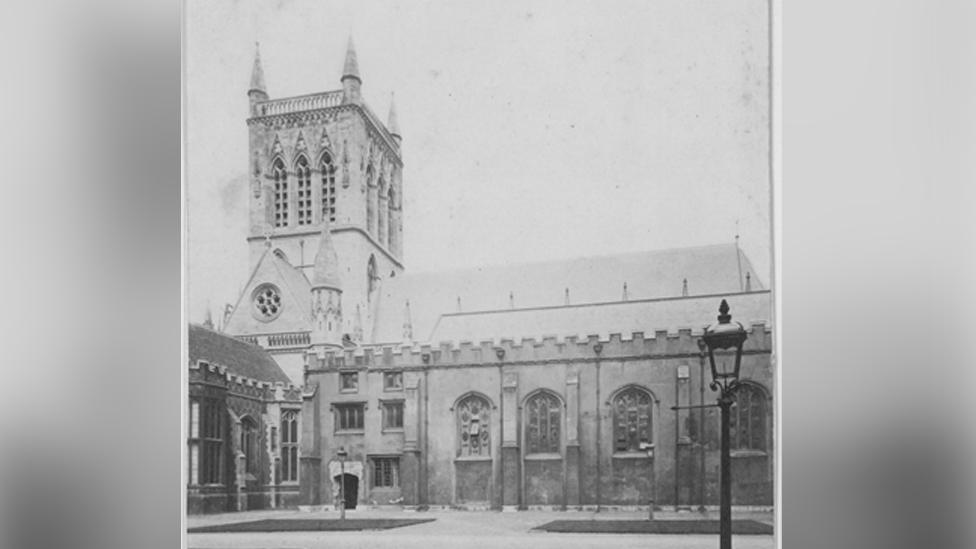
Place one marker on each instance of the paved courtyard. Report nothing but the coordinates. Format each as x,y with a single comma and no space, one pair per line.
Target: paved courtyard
468,529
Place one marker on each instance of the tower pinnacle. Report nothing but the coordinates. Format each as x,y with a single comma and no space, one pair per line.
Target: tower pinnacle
351,67
257,72
351,81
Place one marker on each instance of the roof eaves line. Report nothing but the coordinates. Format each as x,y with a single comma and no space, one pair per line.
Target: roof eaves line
247,284
601,303
235,378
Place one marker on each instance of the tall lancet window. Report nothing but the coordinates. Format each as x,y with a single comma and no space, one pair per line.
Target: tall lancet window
631,420
304,173
370,193
543,412
280,177
328,187
473,422
381,212
390,223
747,419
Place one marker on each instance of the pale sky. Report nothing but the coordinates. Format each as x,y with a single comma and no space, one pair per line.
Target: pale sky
531,130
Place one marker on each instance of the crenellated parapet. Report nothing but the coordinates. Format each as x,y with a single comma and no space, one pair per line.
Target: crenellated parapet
220,376
551,349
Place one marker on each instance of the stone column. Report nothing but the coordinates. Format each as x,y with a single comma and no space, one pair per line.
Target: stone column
511,458
572,488
310,448
410,467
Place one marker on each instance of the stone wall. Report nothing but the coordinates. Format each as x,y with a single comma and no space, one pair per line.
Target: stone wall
586,471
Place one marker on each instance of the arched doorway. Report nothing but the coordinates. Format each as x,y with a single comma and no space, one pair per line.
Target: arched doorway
350,489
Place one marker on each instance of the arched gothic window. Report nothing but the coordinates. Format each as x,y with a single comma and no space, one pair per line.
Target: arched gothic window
249,445
371,276
473,423
370,206
289,446
304,173
390,225
328,187
542,434
747,418
631,420
280,177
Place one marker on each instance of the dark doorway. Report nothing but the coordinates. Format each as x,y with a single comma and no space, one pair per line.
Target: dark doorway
350,489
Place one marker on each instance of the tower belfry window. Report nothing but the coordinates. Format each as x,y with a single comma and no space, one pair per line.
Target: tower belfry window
304,173
280,177
328,187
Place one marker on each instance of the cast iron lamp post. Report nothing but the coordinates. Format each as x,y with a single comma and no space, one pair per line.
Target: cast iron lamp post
342,454
724,341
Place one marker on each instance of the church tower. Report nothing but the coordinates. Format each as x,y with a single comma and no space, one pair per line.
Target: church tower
325,195
327,157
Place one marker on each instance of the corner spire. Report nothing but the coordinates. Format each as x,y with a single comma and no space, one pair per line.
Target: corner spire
350,68
257,72
326,270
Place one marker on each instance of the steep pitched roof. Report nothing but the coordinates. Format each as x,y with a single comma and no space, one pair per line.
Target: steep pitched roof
296,291
623,317
711,269
243,359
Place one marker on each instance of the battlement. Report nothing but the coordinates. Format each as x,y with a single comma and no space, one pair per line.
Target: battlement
218,372
662,343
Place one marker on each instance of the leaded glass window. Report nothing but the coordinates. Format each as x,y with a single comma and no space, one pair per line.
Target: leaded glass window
280,178
386,472
304,173
747,419
328,187
632,420
543,412
249,445
289,446
473,422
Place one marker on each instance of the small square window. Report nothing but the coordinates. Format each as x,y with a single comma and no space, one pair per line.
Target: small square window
349,382
392,381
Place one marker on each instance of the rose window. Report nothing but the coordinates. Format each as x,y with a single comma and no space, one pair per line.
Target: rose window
267,302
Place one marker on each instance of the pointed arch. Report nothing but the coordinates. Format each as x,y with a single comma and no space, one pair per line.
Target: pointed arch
543,431
370,200
249,445
327,168
280,177
748,417
303,173
391,223
632,407
382,217
472,414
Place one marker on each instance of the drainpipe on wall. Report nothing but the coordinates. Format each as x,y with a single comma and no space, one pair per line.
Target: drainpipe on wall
598,348
701,423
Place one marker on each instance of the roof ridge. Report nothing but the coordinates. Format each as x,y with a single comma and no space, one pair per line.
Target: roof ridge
597,303
574,258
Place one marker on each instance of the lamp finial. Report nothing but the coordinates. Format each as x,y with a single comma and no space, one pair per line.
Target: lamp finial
724,317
